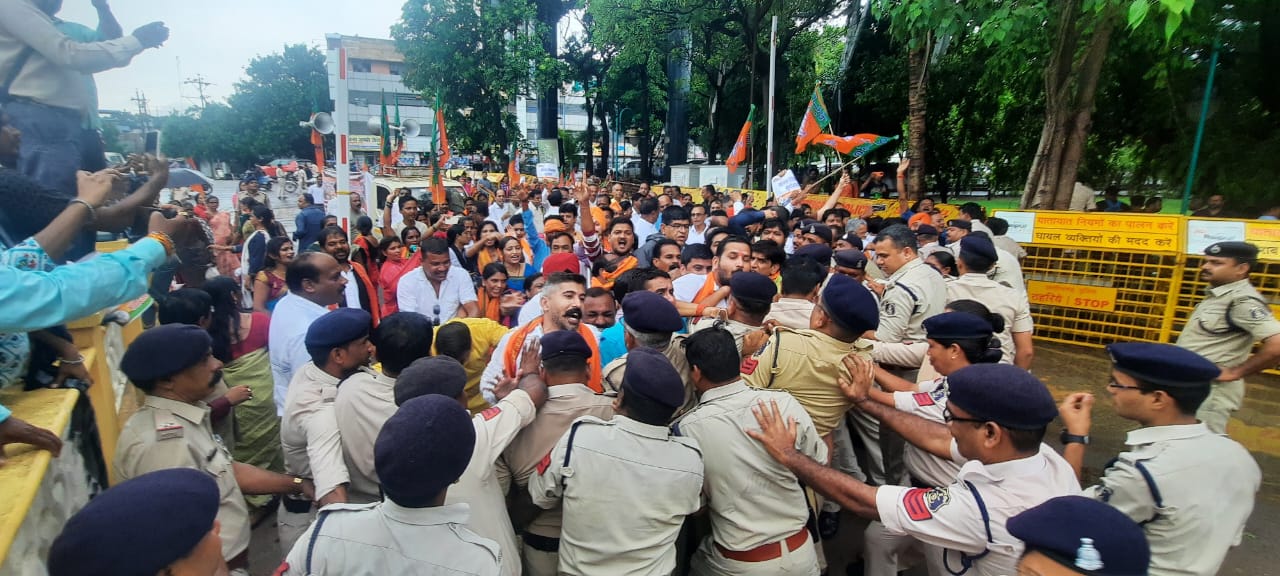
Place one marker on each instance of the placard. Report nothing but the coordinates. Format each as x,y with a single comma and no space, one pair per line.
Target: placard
1022,225
784,183
547,170
1096,298
1202,233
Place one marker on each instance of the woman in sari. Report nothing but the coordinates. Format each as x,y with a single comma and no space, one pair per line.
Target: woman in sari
223,235
485,250
240,342
495,298
364,247
400,256
268,284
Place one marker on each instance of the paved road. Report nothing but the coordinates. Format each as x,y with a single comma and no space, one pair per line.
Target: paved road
285,209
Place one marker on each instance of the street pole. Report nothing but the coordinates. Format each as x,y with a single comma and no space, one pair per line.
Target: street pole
341,127
619,138
773,63
1204,113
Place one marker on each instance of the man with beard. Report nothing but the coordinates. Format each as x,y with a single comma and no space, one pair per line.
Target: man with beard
174,365
359,291
338,344
619,259
600,309
562,300
665,256
732,256
565,368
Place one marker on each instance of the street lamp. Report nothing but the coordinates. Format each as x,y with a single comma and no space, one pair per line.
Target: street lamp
619,137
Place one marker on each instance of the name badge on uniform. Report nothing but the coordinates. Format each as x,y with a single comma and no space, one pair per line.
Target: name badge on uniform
169,431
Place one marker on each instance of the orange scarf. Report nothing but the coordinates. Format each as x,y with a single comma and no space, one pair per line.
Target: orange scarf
484,259
708,288
489,307
370,291
606,278
516,342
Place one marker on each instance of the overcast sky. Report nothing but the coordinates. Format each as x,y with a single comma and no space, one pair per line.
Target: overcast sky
217,39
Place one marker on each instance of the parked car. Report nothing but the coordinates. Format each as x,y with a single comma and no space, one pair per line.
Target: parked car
630,170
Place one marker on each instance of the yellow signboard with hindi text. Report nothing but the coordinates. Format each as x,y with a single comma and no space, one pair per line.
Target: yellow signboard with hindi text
1096,298
1265,234
1107,231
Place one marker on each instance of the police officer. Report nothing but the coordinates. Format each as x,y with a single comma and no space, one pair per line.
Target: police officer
564,369
1160,482
649,321
750,296
338,344
174,365
807,363
851,263
1226,324
495,428
996,418
977,255
162,522
758,510
653,478
420,451
1006,270
1074,535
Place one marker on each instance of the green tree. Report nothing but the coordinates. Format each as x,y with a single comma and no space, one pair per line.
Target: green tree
278,91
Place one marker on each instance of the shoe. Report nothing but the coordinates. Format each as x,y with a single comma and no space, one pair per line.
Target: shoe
828,524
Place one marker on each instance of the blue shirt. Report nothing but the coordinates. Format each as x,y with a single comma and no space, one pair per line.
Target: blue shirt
612,344
309,222
34,300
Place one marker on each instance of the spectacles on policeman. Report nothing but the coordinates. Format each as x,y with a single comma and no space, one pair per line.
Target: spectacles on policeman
950,417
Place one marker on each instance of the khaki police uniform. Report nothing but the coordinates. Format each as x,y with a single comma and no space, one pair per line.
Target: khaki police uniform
882,551
753,500
654,481
565,403
1009,245
166,433
386,538
968,517
914,293
365,401
1223,329
311,441
611,375
791,312
738,329
1010,303
1190,489
478,486
806,363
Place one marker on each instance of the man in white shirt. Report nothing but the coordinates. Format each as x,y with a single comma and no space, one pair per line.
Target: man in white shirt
436,289
315,282
698,230
644,221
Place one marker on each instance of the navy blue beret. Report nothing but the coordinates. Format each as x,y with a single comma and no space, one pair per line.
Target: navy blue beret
957,326
562,342
441,375
646,311
854,259
1004,394
338,328
1240,250
821,253
165,350
422,449
926,230
752,287
140,526
850,304
1085,535
853,239
1163,364
961,224
651,375
820,230
980,246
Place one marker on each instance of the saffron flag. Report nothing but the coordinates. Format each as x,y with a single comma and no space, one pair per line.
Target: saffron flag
740,148
384,148
394,158
441,136
857,145
513,167
814,122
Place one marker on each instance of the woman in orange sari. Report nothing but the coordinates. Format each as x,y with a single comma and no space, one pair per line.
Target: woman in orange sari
220,224
399,257
486,249
496,300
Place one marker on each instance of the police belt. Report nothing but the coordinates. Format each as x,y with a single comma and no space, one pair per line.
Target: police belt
766,552
541,543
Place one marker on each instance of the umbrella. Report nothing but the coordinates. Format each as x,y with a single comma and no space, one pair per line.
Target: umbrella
186,178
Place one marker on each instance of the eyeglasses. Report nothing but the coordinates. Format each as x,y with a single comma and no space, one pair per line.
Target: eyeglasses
435,310
1118,386
678,226
950,417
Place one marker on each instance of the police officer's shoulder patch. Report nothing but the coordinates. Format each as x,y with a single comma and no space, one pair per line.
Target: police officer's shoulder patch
888,308
544,463
1258,313
749,366
491,412
923,399
921,503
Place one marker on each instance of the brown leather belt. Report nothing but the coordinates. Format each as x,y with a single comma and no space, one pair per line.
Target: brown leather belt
766,552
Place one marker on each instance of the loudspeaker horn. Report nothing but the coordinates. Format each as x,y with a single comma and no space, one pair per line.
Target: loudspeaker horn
321,122
375,125
410,128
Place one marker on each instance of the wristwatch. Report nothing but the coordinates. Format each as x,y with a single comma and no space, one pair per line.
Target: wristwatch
1068,438
297,485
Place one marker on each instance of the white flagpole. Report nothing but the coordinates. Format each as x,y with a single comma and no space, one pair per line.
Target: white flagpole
773,63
